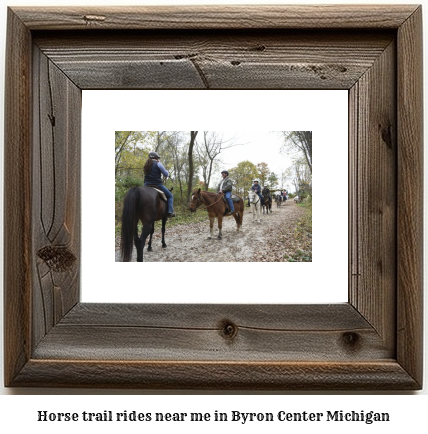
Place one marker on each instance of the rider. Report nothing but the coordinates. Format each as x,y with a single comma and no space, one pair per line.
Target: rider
258,190
225,187
266,192
153,171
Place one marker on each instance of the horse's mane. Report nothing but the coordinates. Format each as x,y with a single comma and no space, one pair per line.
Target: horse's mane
204,191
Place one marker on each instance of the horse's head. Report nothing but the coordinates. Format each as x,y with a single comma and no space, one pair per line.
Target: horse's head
195,200
251,196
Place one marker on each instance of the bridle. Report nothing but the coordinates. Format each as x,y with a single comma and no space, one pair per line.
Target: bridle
258,199
202,200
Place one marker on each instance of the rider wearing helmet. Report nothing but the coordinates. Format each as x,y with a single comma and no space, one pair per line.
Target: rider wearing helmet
266,192
225,187
257,189
153,171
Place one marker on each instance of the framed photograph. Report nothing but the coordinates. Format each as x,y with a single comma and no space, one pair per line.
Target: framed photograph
371,342
251,258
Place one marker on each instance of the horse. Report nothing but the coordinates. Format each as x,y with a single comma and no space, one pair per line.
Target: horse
216,207
267,204
278,200
255,206
146,205
300,199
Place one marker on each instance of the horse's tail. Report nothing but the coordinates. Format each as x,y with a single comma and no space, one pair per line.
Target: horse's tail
129,223
241,211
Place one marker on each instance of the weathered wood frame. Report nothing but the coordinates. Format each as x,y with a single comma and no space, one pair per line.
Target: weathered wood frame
372,342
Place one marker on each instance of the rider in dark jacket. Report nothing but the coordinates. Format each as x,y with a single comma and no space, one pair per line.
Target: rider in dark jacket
266,192
153,171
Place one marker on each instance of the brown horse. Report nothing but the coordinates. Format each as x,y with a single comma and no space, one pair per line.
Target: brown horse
216,207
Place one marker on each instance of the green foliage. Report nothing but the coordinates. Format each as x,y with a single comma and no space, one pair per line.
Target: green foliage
263,172
300,256
243,175
125,183
273,180
303,236
131,150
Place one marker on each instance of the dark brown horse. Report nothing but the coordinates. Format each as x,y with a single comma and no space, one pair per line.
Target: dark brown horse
216,207
141,204
267,204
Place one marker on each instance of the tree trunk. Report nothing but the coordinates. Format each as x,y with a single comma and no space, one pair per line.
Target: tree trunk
190,179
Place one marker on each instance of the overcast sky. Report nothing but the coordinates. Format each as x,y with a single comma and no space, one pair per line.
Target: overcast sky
257,147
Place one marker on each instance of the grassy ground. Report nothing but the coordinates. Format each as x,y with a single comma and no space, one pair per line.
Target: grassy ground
303,236
183,216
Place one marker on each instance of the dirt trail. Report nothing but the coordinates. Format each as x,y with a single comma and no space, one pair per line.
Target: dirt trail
190,243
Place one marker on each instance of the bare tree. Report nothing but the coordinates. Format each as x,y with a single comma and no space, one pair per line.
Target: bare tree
159,140
301,176
176,150
301,141
121,140
193,135
208,151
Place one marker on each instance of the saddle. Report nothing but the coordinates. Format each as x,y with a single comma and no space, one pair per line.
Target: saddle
161,193
235,199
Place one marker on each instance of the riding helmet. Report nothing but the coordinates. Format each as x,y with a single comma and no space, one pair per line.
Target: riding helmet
154,156
256,180
226,172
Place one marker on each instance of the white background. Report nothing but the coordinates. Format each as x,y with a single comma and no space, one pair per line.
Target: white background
325,279
20,412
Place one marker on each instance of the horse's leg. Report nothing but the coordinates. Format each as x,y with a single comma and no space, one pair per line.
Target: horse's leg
220,225
139,250
211,227
144,234
163,232
149,248
253,207
237,217
241,216
136,238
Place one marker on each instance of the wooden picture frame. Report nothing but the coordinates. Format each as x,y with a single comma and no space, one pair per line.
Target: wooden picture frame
372,342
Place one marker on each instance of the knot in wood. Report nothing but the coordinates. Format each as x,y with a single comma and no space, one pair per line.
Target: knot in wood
351,340
258,48
58,259
227,329
94,18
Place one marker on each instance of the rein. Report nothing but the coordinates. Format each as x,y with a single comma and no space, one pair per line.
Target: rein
255,203
201,198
